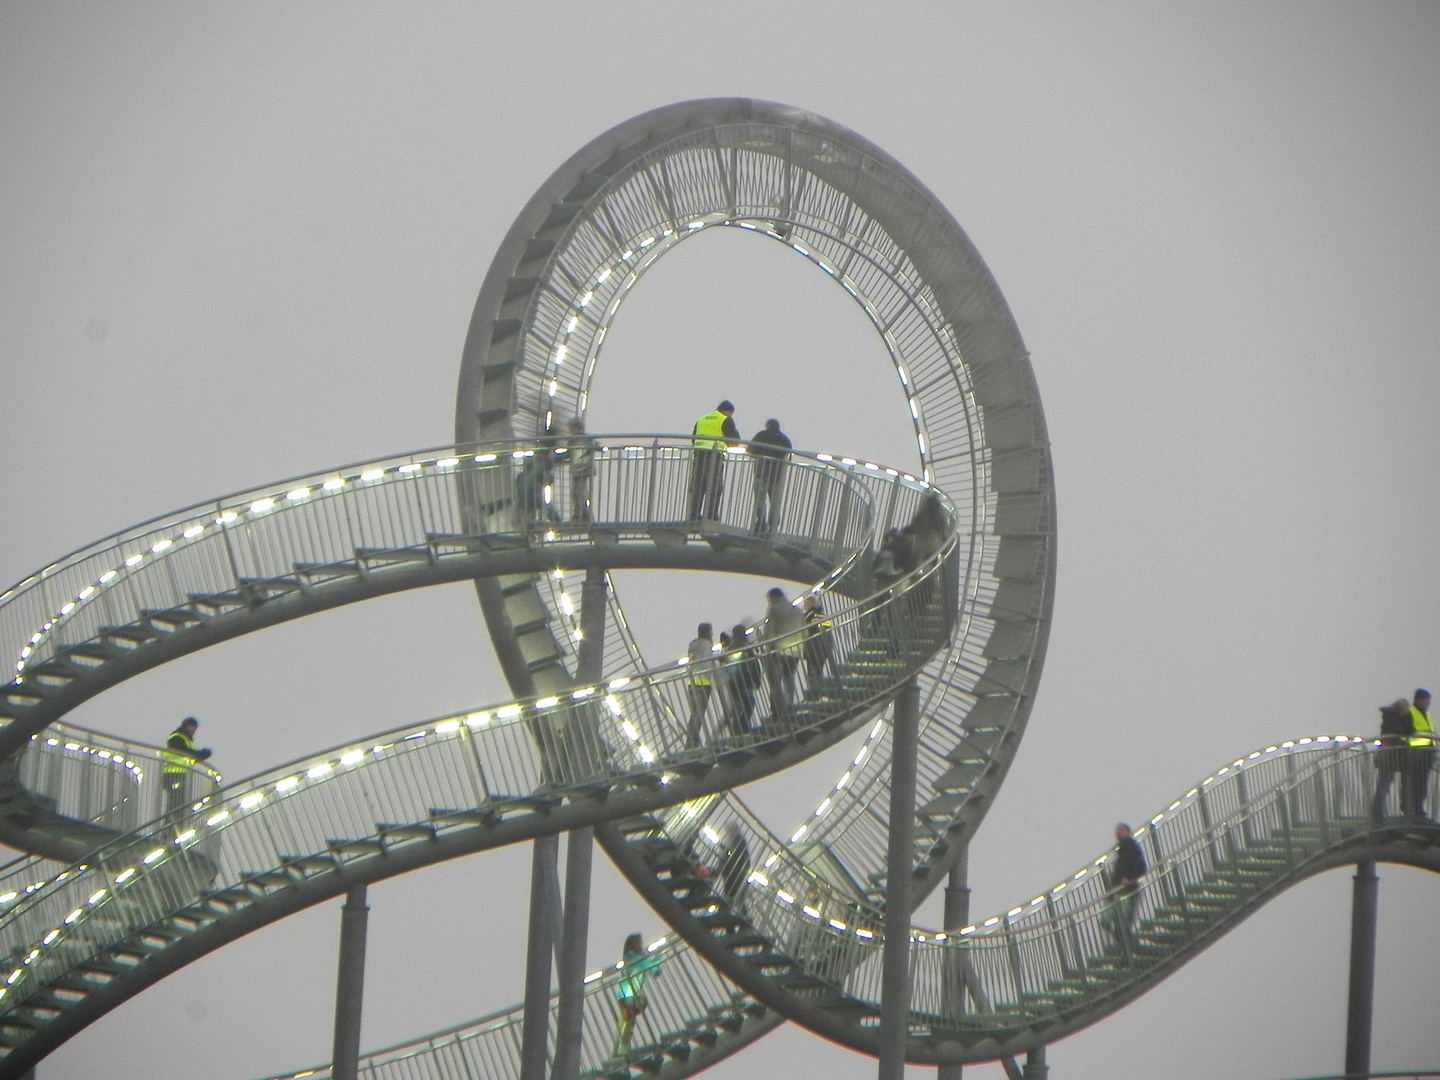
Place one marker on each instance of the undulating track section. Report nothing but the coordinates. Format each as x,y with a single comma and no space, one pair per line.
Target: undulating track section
241,856
1036,972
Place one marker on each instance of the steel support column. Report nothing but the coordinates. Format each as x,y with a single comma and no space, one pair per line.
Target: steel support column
350,984
957,914
1364,913
899,876
535,1032
1035,1067
579,848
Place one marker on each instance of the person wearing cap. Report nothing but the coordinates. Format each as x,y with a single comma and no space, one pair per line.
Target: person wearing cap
771,447
712,434
178,759
1420,758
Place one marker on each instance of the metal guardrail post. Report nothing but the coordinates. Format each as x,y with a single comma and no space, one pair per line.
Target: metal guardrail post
899,874
350,984
1363,915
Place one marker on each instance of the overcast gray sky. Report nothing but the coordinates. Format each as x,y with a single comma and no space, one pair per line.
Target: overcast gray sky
239,242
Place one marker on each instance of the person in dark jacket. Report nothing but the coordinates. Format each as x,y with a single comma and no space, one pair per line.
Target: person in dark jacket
712,435
1395,729
1123,878
819,647
771,447
742,679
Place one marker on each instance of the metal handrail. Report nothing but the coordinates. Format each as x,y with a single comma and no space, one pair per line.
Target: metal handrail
103,780
684,994
466,762
225,546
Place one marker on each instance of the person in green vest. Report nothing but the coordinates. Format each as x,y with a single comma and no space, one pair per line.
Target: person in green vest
713,433
178,759
636,965
1415,780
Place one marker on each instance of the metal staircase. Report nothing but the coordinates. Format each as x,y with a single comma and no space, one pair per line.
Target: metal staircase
238,857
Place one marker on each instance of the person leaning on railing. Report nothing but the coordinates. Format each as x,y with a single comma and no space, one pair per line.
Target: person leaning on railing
712,434
1395,729
1420,758
178,758
770,447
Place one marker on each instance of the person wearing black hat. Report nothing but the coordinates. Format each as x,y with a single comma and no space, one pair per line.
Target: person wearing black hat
713,433
771,447
1420,758
178,759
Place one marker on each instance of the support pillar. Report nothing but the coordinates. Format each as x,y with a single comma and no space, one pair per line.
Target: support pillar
957,914
579,848
1364,914
350,984
535,1031
899,875
1035,1067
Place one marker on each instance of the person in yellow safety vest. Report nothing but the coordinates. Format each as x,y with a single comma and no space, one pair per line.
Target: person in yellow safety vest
1415,780
712,433
179,758
700,660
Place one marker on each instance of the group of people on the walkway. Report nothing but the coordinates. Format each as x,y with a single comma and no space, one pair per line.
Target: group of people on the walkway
1407,750
713,435
724,677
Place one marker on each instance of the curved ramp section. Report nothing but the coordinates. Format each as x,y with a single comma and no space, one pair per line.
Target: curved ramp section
72,790
251,853
695,1019
1021,978
220,569
1054,964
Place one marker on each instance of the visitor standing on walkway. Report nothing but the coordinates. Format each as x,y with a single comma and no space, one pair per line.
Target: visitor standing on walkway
1420,758
771,447
742,679
1390,759
636,965
580,456
700,674
713,434
178,759
783,633
819,647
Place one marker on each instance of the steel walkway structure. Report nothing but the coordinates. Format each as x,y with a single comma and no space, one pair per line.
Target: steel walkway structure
932,671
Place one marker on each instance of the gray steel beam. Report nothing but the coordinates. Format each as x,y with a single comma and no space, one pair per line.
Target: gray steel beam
350,984
957,914
534,1039
579,850
1035,1067
899,879
1364,913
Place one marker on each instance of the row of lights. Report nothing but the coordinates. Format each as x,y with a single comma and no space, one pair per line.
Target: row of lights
1190,796
252,800
196,530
